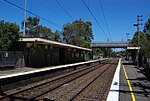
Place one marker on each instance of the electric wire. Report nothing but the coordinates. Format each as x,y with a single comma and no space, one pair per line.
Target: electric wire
105,19
30,5
32,13
64,9
95,19
50,9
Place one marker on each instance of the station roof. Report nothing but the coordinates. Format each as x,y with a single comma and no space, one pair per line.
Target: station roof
133,48
49,42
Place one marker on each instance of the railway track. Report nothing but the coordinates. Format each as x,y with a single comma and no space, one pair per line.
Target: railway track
77,90
56,89
98,88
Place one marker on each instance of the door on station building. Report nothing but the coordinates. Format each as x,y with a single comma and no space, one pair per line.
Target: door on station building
62,57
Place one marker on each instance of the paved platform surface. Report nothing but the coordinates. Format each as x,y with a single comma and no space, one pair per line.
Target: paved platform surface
27,71
15,70
139,88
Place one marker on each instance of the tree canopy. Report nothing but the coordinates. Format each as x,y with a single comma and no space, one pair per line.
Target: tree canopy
147,27
9,33
34,28
78,33
146,46
144,39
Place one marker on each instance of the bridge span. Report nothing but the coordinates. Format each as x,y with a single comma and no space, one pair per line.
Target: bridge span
110,44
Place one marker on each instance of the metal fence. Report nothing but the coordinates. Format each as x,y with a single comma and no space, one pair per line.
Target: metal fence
7,55
7,59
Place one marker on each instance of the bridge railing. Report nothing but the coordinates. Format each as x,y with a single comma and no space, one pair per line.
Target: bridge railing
110,44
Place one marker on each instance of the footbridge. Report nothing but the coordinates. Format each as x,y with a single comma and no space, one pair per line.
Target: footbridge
110,44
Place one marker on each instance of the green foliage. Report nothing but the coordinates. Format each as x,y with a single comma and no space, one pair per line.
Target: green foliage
147,27
105,51
46,33
78,33
34,29
97,51
9,33
146,46
58,36
145,50
134,41
144,39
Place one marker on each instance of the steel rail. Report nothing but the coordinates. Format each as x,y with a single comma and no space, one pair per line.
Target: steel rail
89,84
11,96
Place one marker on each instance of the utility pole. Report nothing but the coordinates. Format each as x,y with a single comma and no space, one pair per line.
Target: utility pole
139,19
24,24
127,36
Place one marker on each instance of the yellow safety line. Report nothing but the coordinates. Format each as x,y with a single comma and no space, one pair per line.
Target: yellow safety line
130,87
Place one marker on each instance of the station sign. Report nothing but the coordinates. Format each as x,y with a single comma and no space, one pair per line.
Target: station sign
135,48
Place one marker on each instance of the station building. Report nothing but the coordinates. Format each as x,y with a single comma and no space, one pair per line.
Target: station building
39,52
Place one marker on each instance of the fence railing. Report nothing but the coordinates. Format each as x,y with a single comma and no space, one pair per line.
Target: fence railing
7,63
7,59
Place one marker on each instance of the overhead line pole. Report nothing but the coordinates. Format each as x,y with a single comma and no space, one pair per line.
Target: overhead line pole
139,18
32,13
24,24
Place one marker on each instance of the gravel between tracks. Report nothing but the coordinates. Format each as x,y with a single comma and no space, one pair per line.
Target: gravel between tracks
32,92
67,90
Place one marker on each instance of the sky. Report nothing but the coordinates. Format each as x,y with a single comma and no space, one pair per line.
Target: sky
120,15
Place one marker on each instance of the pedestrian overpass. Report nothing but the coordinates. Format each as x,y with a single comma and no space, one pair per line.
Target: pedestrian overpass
110,44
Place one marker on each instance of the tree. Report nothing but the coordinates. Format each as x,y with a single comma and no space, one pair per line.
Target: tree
106,52
78,33
58,36
147,27
46,33
134,41
9,33
144,40
146,46
33,28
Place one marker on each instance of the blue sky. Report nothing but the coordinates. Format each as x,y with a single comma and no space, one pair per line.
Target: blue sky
120,14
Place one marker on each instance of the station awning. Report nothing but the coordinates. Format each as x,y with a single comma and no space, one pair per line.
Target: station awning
49,42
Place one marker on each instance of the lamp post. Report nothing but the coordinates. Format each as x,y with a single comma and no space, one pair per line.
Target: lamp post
139,18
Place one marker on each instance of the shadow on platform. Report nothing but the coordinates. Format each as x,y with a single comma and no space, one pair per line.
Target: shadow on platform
141,93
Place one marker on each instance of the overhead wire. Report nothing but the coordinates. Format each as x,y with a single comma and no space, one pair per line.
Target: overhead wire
59,3
32,13
105,19
50,9
95,19
30,5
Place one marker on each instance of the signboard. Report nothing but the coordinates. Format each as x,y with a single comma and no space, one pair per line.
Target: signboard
135,48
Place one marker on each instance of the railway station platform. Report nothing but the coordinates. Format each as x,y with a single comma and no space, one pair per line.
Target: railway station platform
15,71
4,74
134,85
129,84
